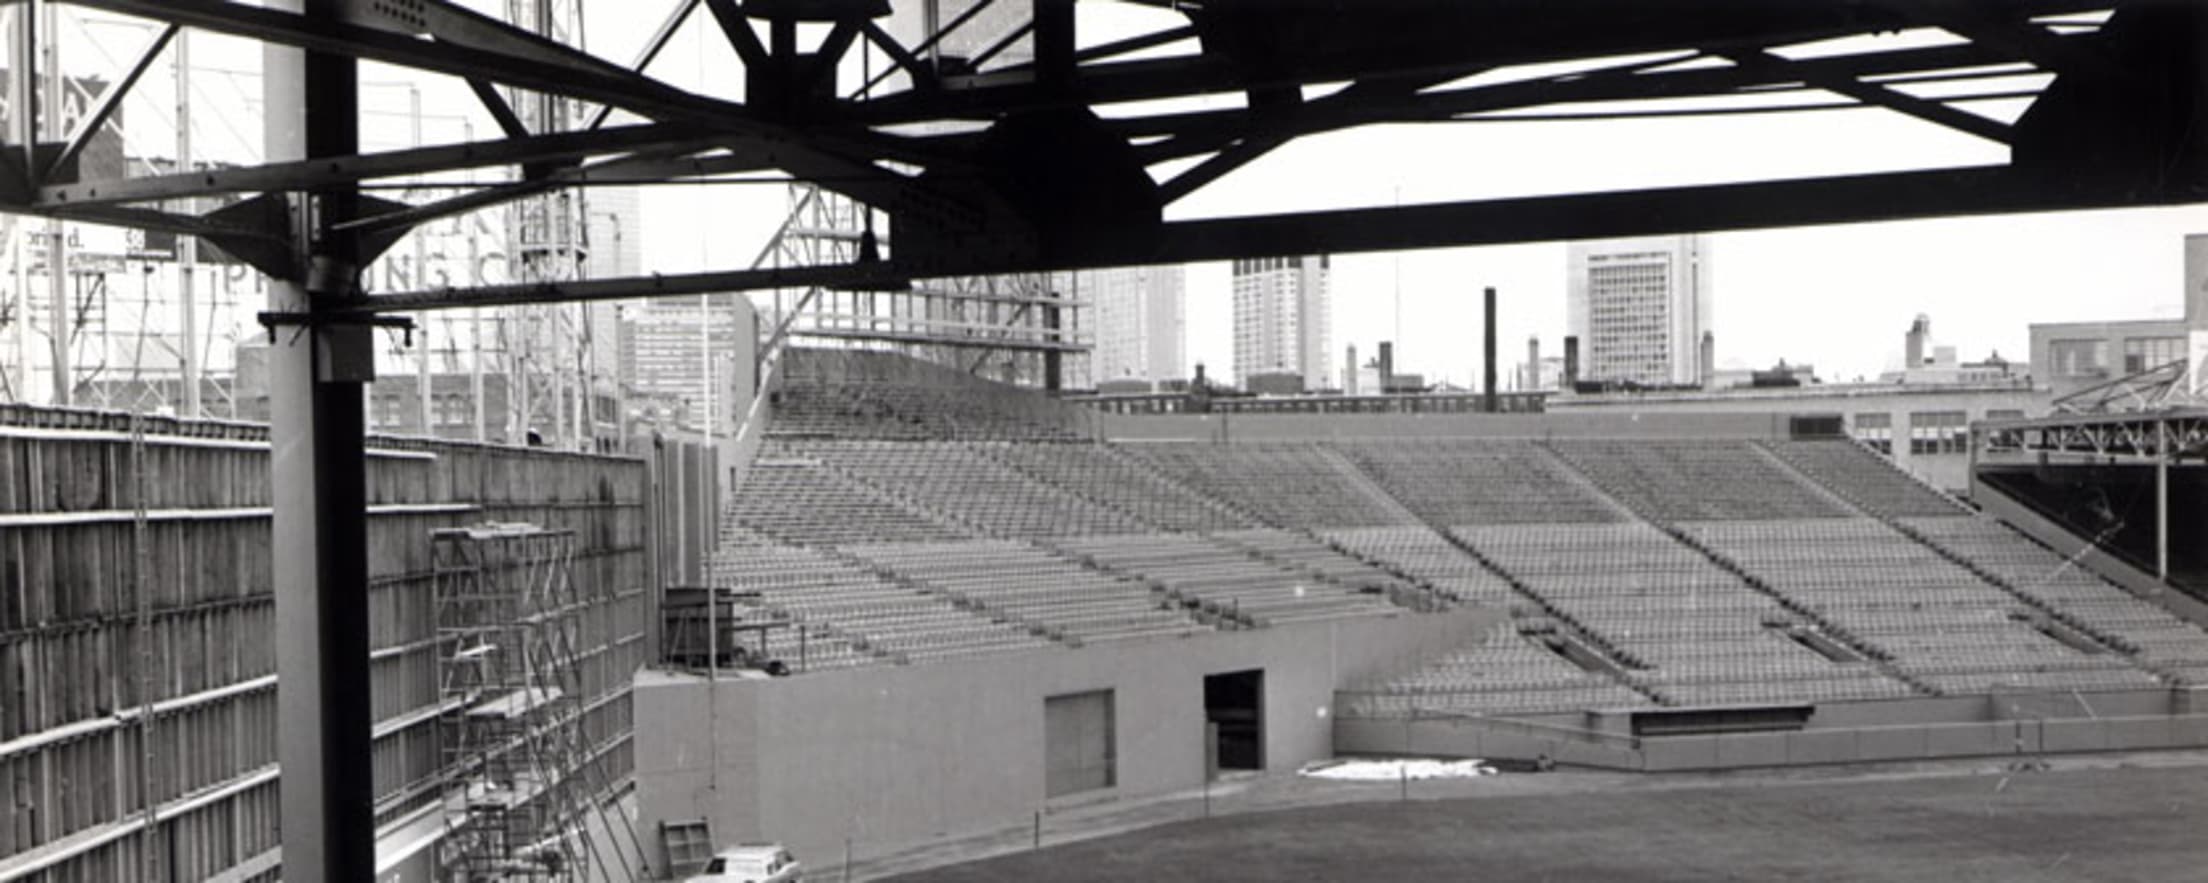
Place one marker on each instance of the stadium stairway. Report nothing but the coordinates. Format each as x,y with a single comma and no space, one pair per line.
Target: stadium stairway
1581,645
1585,483
976,605
1363,481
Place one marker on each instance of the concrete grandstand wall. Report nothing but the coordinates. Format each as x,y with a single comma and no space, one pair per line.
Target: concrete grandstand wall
1852,732
1304,427
891,755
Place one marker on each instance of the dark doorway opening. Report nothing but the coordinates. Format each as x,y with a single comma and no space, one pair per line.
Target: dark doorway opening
1234,709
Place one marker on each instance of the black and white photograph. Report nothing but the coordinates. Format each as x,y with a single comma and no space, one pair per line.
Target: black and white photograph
999,441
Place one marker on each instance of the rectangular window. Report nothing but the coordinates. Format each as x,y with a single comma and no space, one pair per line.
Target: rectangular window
1938,432
1876,428
1078,743
2149,353
2078,358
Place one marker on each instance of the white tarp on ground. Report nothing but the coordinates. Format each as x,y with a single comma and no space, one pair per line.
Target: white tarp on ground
1395,770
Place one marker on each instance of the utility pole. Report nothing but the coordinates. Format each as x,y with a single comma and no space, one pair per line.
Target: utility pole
17,232
708,461
422,386
48,111
187,247
23,133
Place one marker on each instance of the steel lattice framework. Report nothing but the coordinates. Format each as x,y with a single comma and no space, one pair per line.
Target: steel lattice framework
990,162
997,168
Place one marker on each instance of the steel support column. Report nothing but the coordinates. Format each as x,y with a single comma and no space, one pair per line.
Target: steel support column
318,478
2162,499
1487,369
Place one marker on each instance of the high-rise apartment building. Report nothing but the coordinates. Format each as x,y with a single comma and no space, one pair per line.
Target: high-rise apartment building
1640,308
1283,321
1140,319
666,344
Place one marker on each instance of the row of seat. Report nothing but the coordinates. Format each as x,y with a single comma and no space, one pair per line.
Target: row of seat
1301,552
1506,672
1863,478
1498,481
1428,557
1935,621
861,394
1683,627
955,480
1703,479
877,614
2159,639
1101,473
1279,484
801,501
1036,586
1224,579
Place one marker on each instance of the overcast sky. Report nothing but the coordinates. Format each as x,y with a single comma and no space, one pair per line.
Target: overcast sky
1838,297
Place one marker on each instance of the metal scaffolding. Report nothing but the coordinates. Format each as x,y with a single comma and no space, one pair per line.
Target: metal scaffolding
519,798
1025,328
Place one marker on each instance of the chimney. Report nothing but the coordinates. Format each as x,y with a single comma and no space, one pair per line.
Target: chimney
1708,376
1571,363
1533,364
1913,347
1349,372
1488,373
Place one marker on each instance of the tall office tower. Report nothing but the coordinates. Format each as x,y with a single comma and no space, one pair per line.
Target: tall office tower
1639,308
1283,320
1141,322
665,347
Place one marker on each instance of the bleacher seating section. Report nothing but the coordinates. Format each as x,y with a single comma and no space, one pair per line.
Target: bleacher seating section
1422,554
1281,484
2162,642
888,397
1861,477
876,615
1937,622
1035,586
801,501
1499,481
1298,551
1507,673
1687,630
1224,579
954,481
1101,474
902,514
1703,479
